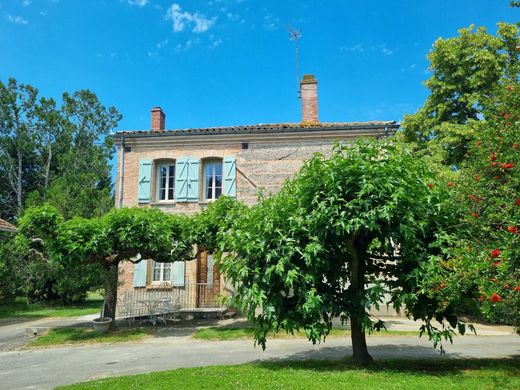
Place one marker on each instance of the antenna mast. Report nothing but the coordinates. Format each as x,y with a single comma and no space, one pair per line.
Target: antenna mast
295,35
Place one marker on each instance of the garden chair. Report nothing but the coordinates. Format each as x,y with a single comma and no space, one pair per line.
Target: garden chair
127,309
167,309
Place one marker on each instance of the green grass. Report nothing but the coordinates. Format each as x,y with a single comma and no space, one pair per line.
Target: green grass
388,374
65,336
21,309
242,333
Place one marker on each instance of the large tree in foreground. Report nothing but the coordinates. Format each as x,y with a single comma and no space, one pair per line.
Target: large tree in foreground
128,234
345,234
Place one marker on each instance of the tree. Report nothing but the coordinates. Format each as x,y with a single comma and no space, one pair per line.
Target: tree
484,257
83,185
467,73
343,233
17,142
124,234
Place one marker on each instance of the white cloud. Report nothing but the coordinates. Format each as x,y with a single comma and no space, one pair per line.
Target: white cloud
360,48
182,19
16,19
26,3
271,22
138,3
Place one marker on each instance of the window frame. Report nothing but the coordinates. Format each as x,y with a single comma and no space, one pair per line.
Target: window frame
161,266
213,161
168,164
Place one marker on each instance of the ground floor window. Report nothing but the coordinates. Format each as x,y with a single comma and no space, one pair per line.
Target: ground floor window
161,272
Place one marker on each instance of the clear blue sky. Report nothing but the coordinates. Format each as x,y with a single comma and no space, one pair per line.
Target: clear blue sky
230,62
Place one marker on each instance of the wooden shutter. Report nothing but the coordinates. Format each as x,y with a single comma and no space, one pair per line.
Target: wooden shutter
140,270
230,177
193,180
178,272
181,179
144,181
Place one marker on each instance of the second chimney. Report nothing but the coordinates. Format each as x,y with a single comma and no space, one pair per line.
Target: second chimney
309,97
158,119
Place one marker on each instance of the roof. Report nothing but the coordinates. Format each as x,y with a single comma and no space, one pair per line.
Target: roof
7,227
262,128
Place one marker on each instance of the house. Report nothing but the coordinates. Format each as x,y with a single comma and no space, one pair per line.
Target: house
182,170
7,227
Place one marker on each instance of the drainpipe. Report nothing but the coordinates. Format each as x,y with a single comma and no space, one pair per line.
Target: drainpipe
121,172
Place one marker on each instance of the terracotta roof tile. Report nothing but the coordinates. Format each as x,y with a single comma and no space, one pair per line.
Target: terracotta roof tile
263,128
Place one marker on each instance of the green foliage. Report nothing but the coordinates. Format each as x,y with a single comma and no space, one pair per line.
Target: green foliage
207,227
337,238
467,73
484,259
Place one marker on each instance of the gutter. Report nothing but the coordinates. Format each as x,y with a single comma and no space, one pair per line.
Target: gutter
121,172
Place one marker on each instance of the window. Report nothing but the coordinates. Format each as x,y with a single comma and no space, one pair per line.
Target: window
212,179
165,181
161,272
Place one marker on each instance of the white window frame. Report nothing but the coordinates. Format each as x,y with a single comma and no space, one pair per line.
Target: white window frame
213,162
161,267
167,188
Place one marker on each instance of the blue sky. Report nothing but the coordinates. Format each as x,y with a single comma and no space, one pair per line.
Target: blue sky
230,62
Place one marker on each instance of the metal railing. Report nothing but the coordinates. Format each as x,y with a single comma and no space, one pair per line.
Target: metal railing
192,297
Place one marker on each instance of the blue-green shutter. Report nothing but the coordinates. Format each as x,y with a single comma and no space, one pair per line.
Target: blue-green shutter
140,270
181,179
193,180
178,271
144,181
230,177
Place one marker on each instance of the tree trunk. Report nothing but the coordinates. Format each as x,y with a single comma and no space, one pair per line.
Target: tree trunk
360,353
109,309
48,168
19,200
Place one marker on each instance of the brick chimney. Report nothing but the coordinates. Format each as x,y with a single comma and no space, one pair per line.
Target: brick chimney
309,97
158,119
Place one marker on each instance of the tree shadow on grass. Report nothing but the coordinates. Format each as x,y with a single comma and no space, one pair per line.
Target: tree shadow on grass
438,366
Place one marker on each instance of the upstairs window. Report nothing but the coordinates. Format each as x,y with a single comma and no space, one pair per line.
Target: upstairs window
165,181
212,179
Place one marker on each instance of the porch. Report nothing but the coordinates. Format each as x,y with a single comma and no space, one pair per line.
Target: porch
196,299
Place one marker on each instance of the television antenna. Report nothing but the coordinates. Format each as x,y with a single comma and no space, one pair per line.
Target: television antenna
295,35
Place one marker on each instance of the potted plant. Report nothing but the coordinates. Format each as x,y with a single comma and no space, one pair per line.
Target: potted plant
102,324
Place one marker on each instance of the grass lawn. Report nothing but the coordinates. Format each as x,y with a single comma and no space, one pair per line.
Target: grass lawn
242,333
21,309
388,374
64,336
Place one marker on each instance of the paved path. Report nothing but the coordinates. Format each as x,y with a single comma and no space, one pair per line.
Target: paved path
47,368
172,348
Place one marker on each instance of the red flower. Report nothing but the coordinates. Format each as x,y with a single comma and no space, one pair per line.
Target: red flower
512,229
475,214
515,145
506,286
477,177
496,263
450,184
471,197
517,202
430,185
493,279
507,165
493,157
509,87
507,116
494,164
517,288
478,143
443,285
495,253
481,298
495,298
